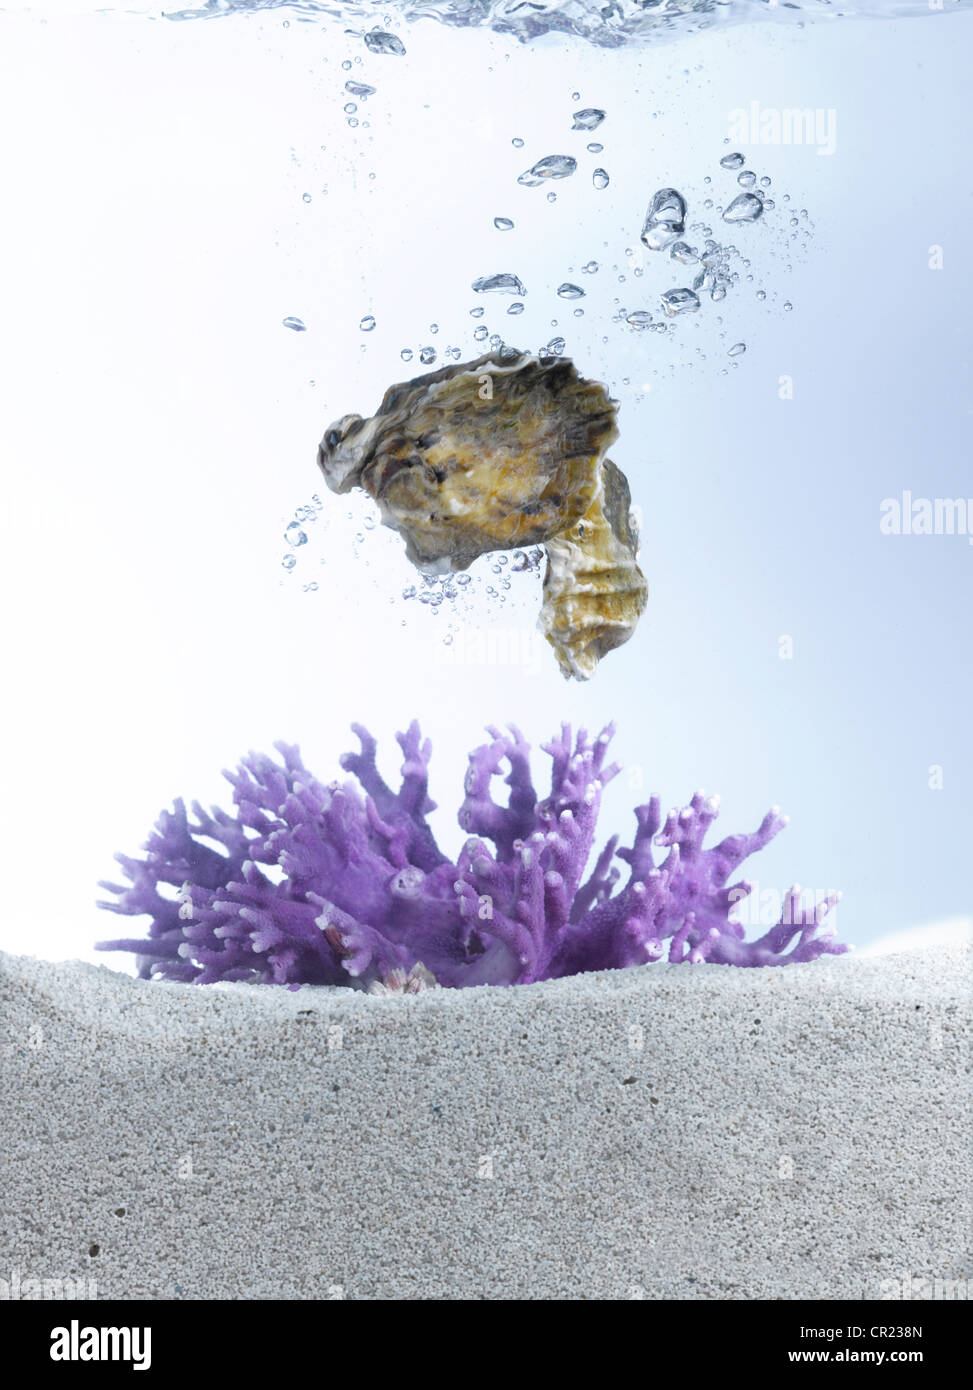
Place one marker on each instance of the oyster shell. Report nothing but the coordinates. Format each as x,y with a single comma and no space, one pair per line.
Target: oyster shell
496,454
594,591
487,455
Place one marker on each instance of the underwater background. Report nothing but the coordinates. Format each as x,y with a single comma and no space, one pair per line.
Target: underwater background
198,235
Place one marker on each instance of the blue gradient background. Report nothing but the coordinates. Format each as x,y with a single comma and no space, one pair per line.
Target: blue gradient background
160,427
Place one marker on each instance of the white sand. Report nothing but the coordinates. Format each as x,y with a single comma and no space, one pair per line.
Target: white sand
682,1132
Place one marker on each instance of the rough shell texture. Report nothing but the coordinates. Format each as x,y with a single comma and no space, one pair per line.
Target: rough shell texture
594,591
497,454
486,455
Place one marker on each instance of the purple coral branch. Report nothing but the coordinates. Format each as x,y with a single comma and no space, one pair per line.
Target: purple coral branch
365,894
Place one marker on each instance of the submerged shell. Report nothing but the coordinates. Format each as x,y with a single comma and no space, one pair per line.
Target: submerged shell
497,454
594,591
494,454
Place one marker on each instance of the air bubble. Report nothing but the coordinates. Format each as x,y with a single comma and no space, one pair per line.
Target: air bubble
552,166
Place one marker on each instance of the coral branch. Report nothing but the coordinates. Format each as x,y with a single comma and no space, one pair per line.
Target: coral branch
317,884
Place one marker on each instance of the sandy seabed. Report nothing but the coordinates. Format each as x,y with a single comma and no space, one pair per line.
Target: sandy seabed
673,1131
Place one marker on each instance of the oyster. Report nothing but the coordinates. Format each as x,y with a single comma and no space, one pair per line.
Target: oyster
497,454
594,592
488,455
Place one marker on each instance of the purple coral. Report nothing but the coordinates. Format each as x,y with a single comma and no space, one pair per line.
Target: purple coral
309,883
